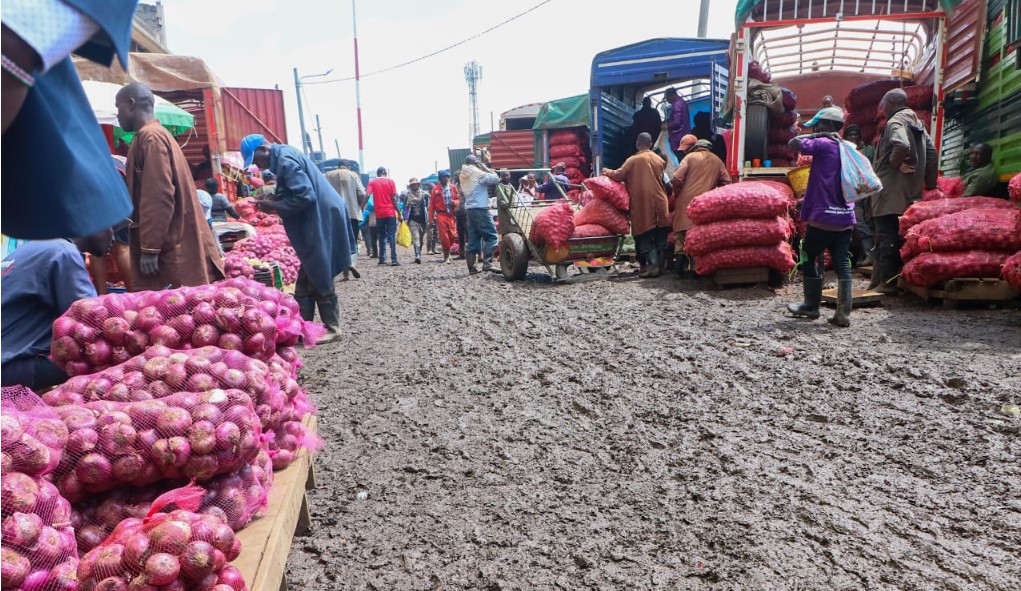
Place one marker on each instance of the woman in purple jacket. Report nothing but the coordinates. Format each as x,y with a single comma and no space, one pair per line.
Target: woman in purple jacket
830,219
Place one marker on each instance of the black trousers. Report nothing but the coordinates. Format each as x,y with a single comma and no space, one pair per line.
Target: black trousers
888,243
462,229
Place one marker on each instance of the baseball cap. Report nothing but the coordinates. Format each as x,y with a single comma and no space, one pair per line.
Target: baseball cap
687,142
248,146
470,159
827,114
414,181
444,173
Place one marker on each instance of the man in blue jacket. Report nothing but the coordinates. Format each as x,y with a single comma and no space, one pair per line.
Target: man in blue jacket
315,218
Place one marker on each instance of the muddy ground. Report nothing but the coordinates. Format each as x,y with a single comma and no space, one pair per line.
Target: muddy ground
631,434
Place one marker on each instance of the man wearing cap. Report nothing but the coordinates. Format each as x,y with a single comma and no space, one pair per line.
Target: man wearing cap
349,186
698,172
317,224
443,203
416,207
548,190
650,218
384,201
172,243
476,178
678,123
687,142
829,218
906,164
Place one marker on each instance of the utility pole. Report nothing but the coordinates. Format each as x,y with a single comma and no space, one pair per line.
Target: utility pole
472,74
301,111
336,143
703,19
319,132
358,91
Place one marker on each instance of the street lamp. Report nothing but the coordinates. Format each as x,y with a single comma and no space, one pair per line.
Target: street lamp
301,111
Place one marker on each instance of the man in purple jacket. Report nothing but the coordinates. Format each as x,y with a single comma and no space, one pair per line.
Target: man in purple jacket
830,219
679,121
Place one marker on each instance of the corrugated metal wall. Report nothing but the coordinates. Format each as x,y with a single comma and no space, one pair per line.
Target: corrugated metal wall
253,110
513,149
614,120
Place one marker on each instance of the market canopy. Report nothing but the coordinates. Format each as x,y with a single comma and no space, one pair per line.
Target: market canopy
779,10
566,112
658,61
101,96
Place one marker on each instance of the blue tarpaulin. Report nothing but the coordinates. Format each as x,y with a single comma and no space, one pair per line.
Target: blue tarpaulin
640,64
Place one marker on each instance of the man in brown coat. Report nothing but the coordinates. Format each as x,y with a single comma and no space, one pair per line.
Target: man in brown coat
171,243
650,219
700,171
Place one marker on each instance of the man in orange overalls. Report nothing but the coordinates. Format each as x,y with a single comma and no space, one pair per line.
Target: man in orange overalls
443,202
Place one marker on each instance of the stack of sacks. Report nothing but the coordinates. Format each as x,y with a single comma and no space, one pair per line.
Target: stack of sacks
782,129
947,187
861,104
553,226
919,101
972,242
605,214
738,226
570,146
1012,270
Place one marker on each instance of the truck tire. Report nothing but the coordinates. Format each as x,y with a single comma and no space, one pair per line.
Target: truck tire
756,133
513,257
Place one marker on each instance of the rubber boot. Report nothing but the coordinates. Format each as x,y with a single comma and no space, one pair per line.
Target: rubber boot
813,297
887,279
329,313
487,264
306,307
877,274
446,256
470,259
655,268
845,297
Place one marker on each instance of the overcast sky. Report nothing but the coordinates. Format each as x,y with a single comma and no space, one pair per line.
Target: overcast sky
413,114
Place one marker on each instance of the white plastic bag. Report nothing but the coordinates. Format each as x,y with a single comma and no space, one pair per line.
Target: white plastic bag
857,179
663,143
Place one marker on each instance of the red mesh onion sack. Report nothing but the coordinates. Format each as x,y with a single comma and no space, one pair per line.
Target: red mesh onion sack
1014,188
783,188
779,257
782,135
601,213
234,498
591,231
33,436
926,210
705,238
553,226
575,162
931,268
1012,270
738,201
167,549
237,265
609,190
867,96
561,152
784,119
271,248
565,136
972,229
951,186
39,552
790,99
932,195
186,435
756,72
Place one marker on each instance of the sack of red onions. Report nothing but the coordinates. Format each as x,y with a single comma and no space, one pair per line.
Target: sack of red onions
32,436
170,548
39,552
748,200
234,498
185,435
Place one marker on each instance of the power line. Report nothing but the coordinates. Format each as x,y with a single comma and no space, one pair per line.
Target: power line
438,51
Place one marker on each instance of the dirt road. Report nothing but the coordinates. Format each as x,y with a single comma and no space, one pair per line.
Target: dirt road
632,434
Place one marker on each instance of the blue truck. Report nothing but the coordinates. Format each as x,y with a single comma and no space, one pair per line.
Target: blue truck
622,77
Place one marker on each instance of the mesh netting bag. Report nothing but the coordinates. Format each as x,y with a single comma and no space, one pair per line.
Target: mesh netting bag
867,96
32,436
920,211
185,435
562,137
39,552
601,213
738,201
1014,188
609,190
1012,270
704,238
591,231
561,151
972,229
553,226
270,248
169,548
779,257
952,187
931,268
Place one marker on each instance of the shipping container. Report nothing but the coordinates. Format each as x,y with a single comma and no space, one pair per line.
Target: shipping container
252,110
518,149
457,156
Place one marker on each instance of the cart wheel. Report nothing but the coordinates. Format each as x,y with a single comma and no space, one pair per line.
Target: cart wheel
513,257
561,271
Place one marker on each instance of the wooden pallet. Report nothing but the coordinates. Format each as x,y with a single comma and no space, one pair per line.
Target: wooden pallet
860,298
266,542
746,276
955,291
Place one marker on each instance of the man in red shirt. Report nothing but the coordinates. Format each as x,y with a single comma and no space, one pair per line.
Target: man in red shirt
384,199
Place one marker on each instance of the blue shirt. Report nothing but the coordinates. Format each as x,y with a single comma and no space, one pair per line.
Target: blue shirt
40,282
479,197
824,199
548,190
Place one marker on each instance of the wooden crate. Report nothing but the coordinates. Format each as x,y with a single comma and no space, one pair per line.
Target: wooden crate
266,542
955,291
745,276
860,298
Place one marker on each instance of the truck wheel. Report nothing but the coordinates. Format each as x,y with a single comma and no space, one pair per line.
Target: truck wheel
513,257
757,133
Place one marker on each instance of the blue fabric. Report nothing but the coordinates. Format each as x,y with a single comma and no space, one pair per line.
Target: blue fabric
386,230
548,190
248,145
824,198
314,215
482,236
479,197
115,19
40,282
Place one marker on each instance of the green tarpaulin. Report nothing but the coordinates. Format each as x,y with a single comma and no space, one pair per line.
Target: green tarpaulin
567,112
745,7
